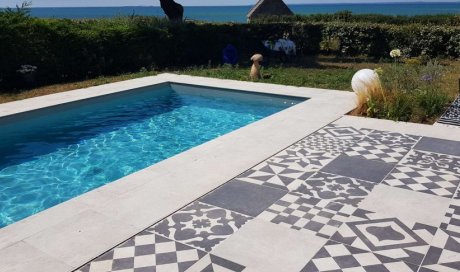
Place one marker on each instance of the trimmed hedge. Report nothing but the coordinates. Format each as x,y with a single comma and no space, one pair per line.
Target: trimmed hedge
64,50
349,17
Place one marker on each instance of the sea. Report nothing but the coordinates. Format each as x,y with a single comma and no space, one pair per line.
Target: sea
238,13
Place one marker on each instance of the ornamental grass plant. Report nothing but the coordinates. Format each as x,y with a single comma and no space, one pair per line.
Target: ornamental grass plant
410,91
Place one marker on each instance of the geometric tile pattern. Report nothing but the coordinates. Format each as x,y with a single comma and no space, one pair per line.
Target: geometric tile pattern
146,252
325,179
335,188
281,176
318,216
452,115
200,225
211,263
334,257
383,146
433,161
424,181
331,139
451,220
287,169
444,253
405,241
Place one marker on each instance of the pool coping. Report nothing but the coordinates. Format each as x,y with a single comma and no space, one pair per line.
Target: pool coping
70,234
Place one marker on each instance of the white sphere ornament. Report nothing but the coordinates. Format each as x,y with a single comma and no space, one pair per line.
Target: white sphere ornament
364,81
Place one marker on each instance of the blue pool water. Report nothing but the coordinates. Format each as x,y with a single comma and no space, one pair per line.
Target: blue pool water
53,155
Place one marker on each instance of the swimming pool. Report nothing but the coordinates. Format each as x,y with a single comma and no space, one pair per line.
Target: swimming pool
51,155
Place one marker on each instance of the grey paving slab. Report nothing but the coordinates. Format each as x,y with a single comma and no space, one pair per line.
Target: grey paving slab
24,257
264,246
244,197
406,205
359,168
439,146
200,225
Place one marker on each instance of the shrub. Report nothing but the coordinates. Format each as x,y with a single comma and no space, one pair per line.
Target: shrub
64,50
409,92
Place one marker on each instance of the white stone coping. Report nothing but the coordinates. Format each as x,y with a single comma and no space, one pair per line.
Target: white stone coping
66,236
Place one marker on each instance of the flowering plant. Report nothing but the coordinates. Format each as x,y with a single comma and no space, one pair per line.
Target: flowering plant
395,53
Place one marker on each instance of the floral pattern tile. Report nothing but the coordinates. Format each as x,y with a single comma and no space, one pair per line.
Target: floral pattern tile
336,188
200,225
433,161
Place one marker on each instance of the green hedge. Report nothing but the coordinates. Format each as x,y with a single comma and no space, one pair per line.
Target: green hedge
64,50
349,17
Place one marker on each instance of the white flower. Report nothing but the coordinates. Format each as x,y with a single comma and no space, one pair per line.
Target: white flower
395,53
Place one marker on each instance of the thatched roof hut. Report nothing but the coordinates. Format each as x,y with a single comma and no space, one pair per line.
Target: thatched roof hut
269,7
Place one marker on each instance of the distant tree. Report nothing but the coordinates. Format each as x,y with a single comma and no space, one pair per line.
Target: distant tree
173,10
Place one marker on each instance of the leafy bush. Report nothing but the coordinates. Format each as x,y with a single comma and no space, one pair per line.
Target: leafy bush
65,50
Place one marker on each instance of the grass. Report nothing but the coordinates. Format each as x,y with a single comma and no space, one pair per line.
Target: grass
316,72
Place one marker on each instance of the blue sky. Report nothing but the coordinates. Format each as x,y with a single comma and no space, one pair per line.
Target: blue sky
73,3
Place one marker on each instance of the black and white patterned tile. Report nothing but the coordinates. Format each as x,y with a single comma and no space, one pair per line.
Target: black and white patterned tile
424,181
282,176
452,115
146,252
200,225
287,169
332,139
337,257
432,161
451,220
335,188
310,214
213,263
383,146
444,253
343,132
391,237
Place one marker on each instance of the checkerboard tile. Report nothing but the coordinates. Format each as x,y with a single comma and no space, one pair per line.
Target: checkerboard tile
424,181
383,146
146,252
451,221
335,188
444,253
432,161
336,257
310,214
374,150
200,225
402,240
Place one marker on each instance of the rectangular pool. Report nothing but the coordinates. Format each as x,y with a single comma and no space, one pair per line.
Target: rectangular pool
51,155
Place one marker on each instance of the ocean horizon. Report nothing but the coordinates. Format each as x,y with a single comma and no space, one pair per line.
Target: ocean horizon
238,13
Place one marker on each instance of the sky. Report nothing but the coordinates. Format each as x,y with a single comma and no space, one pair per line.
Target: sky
99,3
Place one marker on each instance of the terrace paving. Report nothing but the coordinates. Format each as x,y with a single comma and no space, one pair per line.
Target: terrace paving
344,198
452,115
